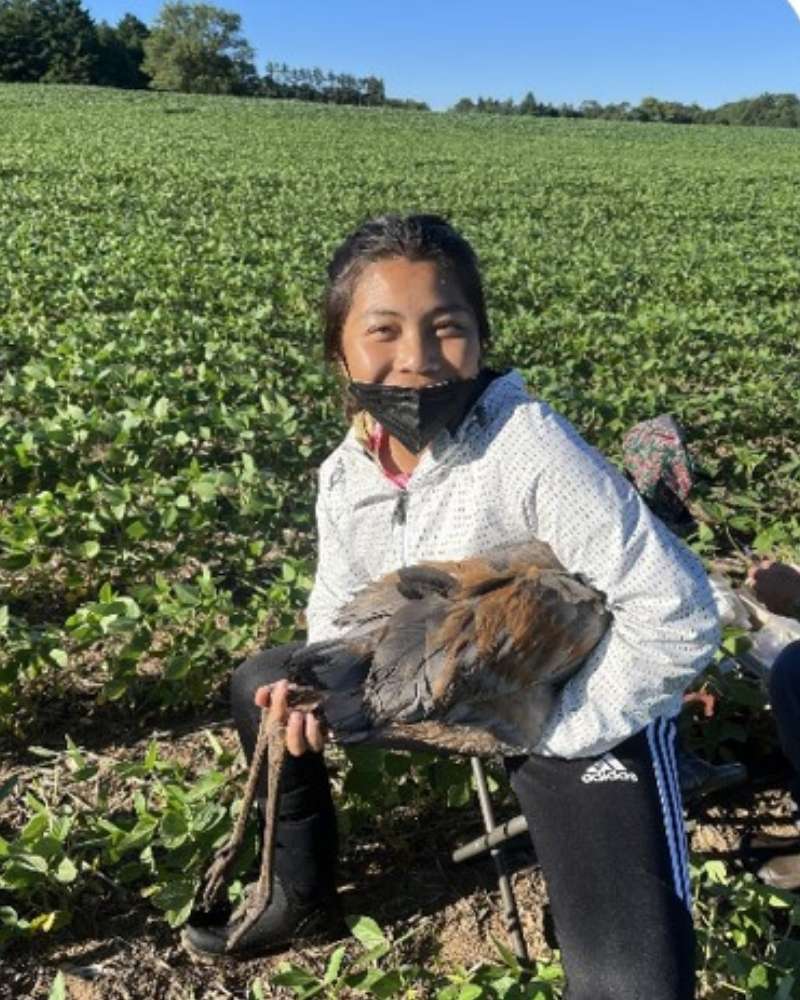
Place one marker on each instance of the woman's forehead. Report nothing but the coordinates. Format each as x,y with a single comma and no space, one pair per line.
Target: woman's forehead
404,282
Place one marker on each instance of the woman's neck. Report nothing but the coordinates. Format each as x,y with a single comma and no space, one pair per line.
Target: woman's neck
396,457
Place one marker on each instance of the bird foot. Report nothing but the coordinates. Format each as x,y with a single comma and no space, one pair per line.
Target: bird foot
250,911
215,877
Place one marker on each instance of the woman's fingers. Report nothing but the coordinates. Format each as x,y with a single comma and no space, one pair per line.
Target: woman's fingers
304,730
262,696
279,701
296,734
315,732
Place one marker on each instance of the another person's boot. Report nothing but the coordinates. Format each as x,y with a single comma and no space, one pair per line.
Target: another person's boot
698,778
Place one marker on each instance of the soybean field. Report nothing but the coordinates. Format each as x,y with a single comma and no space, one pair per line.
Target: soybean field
164,407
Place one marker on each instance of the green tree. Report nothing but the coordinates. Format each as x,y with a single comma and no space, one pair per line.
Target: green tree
22,53
49,40
121,53
197,48
70,40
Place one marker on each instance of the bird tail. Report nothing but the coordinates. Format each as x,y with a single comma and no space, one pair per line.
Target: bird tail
337,668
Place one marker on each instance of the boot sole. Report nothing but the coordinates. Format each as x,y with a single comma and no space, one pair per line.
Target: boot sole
324,936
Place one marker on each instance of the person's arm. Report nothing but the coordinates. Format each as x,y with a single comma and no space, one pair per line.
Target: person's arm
665,625
334,581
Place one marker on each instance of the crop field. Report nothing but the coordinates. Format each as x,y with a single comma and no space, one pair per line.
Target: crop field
163,410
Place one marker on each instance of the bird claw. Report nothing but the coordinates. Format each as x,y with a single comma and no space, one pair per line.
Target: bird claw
215,876
250,913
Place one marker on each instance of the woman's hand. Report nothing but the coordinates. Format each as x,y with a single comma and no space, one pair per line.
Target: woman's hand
776,585
304,731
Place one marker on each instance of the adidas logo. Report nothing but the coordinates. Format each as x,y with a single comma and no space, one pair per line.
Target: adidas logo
607,768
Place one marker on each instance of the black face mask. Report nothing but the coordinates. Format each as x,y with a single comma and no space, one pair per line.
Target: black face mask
415,416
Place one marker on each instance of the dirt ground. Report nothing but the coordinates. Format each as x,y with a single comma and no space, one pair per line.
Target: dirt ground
403,877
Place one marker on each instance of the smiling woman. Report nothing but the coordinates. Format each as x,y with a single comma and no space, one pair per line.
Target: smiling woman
486,463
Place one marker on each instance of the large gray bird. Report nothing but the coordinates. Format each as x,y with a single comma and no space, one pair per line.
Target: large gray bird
463,656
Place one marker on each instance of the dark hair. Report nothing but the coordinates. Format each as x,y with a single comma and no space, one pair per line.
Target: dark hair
415,237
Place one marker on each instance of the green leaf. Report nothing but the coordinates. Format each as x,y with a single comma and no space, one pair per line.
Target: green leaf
136,531
366,931
58,990
204,489
293,976
387,985
334,965
66,871
470,991
186,595
759,976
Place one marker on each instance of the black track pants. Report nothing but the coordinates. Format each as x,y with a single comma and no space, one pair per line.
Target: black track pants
610,837
608,831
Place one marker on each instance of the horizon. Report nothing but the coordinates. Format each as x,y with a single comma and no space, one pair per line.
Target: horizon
708,52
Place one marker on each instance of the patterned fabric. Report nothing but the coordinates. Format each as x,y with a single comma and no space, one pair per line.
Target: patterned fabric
515,469
655,457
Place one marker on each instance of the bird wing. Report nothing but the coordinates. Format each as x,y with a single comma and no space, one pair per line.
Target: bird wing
380,599
492,657
376,602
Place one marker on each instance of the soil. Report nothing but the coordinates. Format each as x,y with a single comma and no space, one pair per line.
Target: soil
401,874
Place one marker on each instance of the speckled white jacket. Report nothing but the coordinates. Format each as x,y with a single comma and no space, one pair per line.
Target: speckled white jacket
515,469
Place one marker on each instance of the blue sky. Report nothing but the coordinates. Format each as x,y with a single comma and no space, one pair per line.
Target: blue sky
708,51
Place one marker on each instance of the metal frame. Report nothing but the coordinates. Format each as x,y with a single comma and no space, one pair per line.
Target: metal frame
492,841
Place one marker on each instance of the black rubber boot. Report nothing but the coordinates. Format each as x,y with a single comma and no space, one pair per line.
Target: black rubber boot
304,904
698,778
289,920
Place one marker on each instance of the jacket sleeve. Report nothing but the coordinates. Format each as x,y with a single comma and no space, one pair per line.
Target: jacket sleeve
334,581
665,625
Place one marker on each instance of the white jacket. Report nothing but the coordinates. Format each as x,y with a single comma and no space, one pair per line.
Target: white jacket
515,469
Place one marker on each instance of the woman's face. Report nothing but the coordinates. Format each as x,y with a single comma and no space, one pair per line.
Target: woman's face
409,325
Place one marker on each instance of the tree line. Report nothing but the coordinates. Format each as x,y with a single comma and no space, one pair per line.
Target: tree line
190,47
782,110
199,48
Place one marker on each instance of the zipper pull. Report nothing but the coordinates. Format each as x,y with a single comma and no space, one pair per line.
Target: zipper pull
400,509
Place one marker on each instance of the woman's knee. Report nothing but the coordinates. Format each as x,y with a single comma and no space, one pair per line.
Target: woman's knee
265,667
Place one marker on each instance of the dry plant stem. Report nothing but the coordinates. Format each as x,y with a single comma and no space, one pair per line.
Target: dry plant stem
262,894
226,855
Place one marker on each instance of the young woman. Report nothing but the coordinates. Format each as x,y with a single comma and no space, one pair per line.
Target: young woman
445,458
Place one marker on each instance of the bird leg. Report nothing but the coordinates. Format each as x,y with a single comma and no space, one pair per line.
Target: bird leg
275,743
224,858
271,740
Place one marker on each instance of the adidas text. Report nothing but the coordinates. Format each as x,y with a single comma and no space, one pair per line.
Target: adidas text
607,768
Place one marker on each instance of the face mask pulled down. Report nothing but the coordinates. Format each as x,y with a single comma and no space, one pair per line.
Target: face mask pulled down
415,416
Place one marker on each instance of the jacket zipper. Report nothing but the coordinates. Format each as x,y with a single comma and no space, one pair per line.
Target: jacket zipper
399,517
